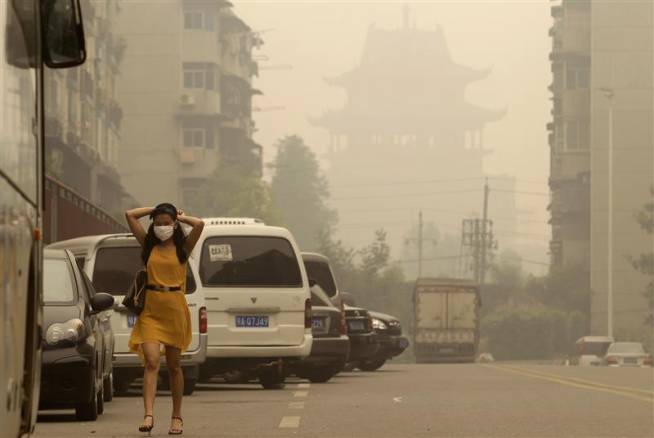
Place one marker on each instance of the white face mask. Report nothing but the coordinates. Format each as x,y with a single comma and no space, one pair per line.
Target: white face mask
164,232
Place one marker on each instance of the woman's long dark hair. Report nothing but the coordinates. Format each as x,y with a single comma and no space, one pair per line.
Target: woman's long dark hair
151,240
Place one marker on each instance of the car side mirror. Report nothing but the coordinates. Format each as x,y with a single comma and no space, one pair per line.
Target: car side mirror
312,282
63,33
101,301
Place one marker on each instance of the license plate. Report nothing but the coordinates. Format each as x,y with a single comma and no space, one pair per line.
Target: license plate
630,360
356,325
252,321
404,343
131,320
318,323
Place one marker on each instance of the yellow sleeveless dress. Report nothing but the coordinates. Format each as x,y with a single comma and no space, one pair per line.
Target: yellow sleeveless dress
165,319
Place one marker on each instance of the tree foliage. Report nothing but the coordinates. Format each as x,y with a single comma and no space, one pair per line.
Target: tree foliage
644,263
301,192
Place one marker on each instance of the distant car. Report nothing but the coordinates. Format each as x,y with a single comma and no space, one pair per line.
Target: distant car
391,342
363,339
624,354
591,350
76,363
331,345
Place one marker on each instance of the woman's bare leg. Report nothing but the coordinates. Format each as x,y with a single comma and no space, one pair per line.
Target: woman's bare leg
176,376
152,353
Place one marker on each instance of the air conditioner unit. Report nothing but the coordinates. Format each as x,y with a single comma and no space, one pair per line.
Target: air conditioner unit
187,156
185,99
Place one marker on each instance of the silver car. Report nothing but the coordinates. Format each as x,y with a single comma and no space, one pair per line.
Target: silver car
623,354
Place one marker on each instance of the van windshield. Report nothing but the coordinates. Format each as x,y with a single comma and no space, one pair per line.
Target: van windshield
115,268
320,272
249,261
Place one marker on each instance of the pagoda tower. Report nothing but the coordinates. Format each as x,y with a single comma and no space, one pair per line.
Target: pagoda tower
405,119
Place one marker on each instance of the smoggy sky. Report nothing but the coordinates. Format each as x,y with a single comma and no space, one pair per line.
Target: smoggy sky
322,39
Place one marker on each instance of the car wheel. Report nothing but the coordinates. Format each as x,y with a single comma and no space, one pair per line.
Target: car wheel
88,411
320,375
108,387
272,378
350,366
189,386
372,365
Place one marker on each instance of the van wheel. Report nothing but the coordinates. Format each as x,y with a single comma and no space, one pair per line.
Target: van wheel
121,385
88,411
108,387
272,378
189,386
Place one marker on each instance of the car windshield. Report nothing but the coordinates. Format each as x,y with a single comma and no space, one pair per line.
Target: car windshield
249,261
115,268
626,347
322,274
57,281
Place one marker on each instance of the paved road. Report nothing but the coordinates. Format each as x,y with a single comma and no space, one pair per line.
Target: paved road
500,400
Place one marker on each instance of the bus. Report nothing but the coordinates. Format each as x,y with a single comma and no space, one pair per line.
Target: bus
33,34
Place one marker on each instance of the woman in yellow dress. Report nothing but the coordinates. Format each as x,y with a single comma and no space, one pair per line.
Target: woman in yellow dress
165,323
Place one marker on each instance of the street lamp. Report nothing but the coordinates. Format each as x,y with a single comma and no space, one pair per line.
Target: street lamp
609,93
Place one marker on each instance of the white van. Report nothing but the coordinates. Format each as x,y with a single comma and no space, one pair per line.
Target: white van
111,261
258,299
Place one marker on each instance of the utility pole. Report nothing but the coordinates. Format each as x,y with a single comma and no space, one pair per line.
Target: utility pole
477,235
419,242
484,235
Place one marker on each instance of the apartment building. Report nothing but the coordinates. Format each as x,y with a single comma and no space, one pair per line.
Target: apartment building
186,93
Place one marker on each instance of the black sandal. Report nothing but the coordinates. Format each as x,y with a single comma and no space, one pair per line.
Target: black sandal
147,428
173,431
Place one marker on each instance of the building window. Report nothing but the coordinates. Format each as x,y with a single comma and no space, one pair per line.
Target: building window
199,20
577,78
577,135
199,76
197,137
193,20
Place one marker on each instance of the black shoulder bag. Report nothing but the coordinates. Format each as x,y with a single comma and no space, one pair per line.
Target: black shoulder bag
135,298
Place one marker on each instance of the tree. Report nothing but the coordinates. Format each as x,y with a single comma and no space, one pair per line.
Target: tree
644,263
301,192
234,191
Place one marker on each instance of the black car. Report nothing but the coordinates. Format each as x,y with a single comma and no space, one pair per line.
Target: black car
391,342
363,339
75,368
331,346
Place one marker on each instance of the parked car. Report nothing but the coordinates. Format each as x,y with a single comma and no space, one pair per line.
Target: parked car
111,261
364,344
625,354
76,362
319,270
331,345
591,350
258,299
391,342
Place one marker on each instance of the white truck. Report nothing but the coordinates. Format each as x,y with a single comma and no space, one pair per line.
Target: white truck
446,320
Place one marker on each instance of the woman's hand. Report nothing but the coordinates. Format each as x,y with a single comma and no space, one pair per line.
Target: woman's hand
132,216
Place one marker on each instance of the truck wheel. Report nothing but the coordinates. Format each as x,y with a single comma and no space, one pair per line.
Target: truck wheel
189,386
272,378
372,365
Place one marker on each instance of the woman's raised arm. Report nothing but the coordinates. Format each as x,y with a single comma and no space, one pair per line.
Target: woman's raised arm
194,235
132,217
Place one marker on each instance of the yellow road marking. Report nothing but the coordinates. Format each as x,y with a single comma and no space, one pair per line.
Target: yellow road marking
584,381
563,381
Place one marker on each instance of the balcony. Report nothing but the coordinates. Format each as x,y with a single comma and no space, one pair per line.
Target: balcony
199,102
